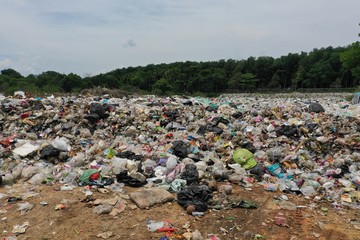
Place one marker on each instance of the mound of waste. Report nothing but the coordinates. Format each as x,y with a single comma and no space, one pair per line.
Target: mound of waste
308,145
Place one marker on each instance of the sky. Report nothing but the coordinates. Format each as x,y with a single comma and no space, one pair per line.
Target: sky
88,37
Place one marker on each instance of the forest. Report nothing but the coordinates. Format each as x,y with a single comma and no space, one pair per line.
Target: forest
324,68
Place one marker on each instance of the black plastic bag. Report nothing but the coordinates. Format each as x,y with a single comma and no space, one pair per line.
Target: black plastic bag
123,177
217,120
180,149
202,130
209,128
316,108
100,110
104,182
288,131
49,152
216,130
92,118
259,171
249,146
129,155
194,195
188,103
190,174
237,115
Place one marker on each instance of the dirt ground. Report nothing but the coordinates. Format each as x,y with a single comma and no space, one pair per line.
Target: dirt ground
311,220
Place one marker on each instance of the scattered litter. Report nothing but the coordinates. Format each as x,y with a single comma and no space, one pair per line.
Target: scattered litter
20,229
105,235
60,206
25,207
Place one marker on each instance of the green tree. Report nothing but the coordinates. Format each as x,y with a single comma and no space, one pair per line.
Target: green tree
275,81
350,59
299,79
243,81
161,86
321,75
11,73
72,83
263,70
5,81
50,81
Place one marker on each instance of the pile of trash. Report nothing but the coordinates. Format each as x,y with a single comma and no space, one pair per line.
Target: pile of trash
100,91
307,145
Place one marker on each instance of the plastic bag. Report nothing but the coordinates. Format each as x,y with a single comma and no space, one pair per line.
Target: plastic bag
276,170
129,155
49,152
61,144
288,131
100,110
316,108
190,174
180,149
244,204
171,163
85,177
195,195
123,177
245,158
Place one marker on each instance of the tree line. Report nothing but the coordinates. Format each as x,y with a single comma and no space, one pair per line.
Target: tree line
321,68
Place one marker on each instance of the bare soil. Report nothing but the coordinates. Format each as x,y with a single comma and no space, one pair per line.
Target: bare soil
311,220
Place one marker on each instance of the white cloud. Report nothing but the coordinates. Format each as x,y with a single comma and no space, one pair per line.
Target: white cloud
90,36
5,63
130,43
22,62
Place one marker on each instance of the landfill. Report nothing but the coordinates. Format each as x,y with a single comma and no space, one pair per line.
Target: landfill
180,148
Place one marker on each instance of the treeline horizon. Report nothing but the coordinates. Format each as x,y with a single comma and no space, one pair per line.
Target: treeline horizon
320,68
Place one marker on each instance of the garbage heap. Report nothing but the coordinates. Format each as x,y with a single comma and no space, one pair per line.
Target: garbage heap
301,144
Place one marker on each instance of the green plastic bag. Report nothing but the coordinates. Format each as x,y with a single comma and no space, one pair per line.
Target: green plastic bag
110,153
245,158
85,177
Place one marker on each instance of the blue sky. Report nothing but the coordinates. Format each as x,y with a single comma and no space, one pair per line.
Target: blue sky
88,37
